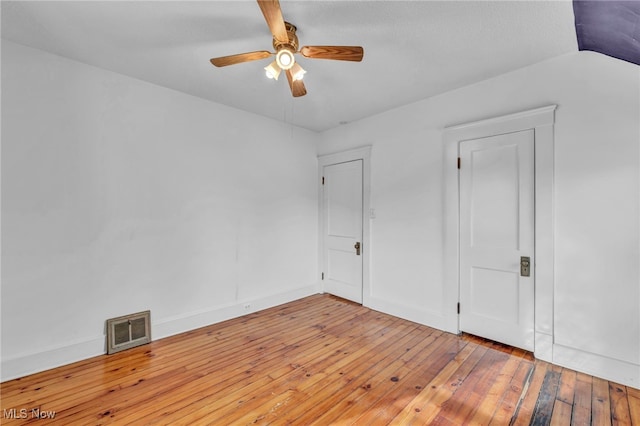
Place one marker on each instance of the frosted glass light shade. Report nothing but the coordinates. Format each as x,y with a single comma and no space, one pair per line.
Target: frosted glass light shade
285,59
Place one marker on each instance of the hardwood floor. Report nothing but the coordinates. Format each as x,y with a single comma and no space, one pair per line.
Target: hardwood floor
319,360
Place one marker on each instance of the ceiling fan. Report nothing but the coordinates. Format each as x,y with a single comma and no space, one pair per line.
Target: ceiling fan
285,43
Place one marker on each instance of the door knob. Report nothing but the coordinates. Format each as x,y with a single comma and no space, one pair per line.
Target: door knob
357,247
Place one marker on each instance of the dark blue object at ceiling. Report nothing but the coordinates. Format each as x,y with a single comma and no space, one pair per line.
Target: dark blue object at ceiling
609,27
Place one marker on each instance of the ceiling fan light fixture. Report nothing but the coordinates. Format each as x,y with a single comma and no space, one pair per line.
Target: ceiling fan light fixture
285,59
297,72
272,70
285,45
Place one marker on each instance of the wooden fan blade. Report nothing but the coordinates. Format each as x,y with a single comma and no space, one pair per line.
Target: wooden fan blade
297,86
273,15
340,53
223,61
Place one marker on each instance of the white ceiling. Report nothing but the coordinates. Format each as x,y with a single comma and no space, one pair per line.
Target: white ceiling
413,49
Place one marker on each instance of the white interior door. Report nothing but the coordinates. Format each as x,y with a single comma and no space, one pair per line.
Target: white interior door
496,232
342,205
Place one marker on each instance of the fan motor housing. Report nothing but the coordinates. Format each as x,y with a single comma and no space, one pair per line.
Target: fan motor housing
292,43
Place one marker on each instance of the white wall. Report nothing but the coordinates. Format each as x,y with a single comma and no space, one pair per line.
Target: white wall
120,196
596,325
192,208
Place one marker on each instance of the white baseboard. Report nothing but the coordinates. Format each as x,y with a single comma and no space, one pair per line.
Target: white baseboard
52,357
421,316
46,359
192,320
622,372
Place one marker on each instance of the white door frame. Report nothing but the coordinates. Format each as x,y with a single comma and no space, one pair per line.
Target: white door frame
363,154
541,120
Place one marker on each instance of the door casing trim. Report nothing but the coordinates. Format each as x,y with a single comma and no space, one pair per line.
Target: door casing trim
541,121
364,154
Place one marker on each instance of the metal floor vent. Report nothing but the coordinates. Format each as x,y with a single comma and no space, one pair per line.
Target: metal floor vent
128,331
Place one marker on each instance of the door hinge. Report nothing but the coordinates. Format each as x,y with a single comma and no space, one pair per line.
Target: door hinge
458,307
458,162
323,275
323,180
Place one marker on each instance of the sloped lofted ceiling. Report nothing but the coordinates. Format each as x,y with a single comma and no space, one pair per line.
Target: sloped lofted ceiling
413,49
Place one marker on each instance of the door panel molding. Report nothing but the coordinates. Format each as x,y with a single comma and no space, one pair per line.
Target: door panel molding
541,121
363,154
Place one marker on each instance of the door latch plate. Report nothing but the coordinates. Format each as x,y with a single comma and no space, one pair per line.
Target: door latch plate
525,266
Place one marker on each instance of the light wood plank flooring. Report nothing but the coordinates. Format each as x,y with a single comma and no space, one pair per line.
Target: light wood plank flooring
319,360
